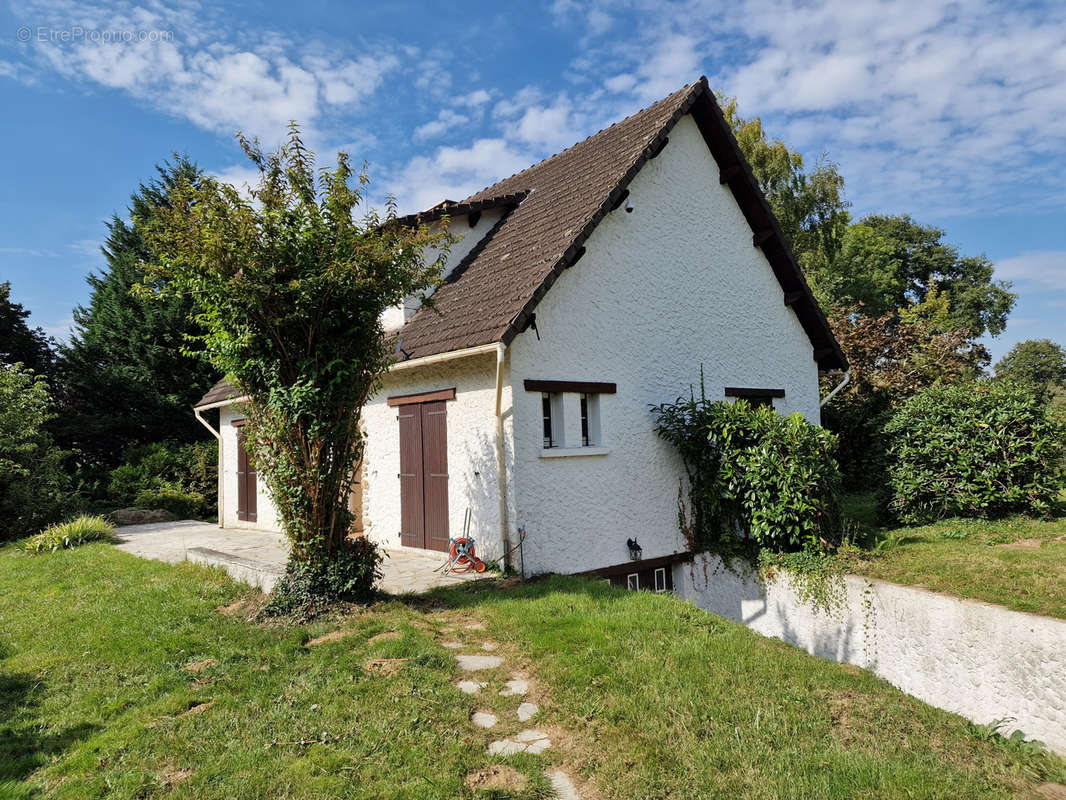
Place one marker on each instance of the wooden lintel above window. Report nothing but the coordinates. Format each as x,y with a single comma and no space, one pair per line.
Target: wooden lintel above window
423,397
737,391
637,566
239,423
581,387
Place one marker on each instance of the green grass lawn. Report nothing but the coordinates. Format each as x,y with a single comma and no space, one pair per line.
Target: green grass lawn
121,678
1019,563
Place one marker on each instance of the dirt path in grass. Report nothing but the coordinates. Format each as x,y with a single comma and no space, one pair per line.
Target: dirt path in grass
510,711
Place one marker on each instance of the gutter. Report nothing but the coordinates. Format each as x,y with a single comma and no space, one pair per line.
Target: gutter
837,388
501,461
218,435
500,349
439,357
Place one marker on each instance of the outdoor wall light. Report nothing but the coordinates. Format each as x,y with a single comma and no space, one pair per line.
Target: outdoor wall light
634,549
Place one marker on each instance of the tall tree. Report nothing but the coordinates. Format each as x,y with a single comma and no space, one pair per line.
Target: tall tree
886,263
891,357
1040,362
809,204
877,265
291,287
126,378
19,343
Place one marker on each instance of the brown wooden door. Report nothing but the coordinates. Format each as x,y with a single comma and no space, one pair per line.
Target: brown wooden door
435,473
423,475
247,506
412,513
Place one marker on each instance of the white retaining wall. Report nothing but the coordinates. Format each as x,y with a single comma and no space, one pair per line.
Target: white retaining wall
975,659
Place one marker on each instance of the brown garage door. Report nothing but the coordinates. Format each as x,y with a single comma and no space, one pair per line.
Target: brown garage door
424,475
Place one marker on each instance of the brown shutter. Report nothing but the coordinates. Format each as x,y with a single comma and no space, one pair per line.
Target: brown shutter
242,473
253,491
247,493
435,463
412,514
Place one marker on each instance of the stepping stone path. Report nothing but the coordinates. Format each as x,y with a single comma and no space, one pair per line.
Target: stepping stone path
527,711
515,686
484,719
473,663
528,740
563,786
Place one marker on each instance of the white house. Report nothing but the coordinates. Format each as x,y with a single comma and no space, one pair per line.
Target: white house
585,289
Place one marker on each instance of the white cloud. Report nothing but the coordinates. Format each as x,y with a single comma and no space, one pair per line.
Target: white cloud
674,62
1046,268
87,247
478,97
454,173
550,126
61,331
256,83
24,251
447,120
929,106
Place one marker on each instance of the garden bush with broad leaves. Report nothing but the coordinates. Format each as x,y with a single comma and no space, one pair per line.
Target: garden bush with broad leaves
754,476
289,283
172,476
34,489
979,449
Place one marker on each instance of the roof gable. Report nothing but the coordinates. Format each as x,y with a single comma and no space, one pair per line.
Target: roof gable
550,210
561,201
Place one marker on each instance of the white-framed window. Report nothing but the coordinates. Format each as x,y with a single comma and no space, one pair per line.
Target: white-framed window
570,416
633,581
660,580
552,415
590,420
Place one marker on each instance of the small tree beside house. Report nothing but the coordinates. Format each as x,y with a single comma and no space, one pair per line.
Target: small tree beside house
290,288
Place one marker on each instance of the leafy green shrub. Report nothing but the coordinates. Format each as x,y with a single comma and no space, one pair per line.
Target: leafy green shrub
750,470
185,505
310,585
34,489
980,449
168,475
78,531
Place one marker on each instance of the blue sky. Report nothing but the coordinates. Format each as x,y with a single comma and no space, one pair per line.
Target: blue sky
952,112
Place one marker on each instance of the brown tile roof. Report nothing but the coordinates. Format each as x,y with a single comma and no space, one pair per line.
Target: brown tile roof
222,390
553,207
490,296
454,209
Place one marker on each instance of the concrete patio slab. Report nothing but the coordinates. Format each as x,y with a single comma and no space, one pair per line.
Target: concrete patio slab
258,557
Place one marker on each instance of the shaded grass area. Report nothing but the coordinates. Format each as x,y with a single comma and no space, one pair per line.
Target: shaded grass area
120,678
1017,562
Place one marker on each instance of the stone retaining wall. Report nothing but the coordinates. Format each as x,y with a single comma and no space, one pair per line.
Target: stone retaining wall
975,659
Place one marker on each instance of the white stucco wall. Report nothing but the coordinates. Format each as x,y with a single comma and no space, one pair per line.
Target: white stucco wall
266,514
660,291
975,659
471,450
395,317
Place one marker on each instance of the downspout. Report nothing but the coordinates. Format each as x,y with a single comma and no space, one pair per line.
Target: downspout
839,386
217,435
501,461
